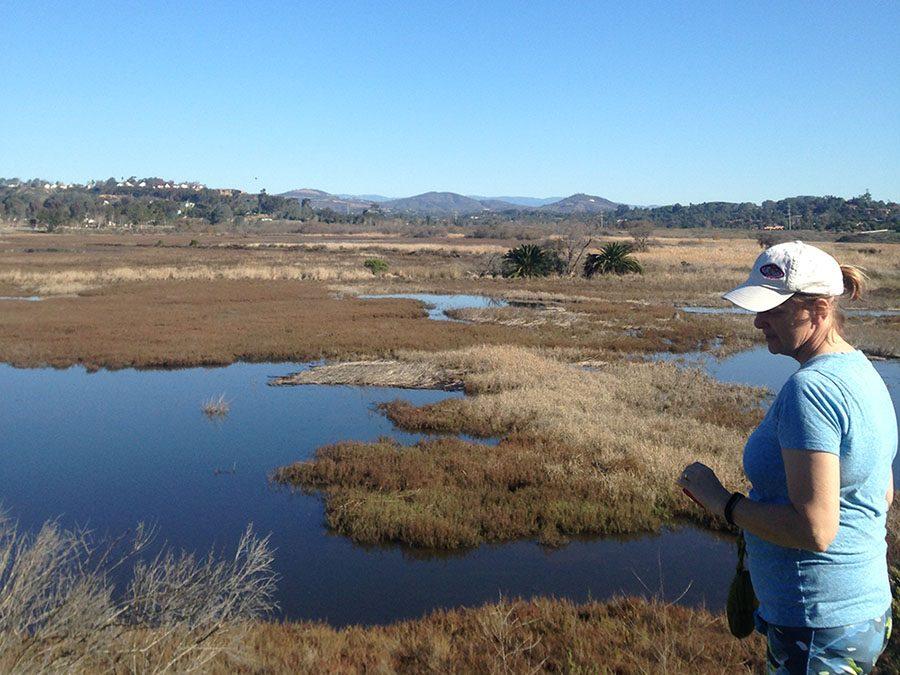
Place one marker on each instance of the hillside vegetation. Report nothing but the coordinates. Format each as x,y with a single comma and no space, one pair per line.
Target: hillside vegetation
156,202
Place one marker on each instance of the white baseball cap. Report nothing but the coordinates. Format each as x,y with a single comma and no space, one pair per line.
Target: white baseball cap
785,269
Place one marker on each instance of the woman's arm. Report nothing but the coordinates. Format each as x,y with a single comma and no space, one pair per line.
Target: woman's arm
809,521
889,497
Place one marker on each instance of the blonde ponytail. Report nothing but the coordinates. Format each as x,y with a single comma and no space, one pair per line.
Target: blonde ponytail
854,281
854,284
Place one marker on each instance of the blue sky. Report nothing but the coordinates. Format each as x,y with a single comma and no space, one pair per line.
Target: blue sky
640,102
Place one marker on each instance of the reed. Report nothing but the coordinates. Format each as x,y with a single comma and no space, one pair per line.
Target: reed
216,407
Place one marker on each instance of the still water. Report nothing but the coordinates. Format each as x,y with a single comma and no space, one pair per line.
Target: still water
436,305
109,449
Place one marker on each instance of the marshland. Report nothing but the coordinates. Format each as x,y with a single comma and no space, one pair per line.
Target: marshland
492,492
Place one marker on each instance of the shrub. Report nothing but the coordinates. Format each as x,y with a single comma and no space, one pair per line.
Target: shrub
61,612
376,265
194,243
614,258
641,235
531,260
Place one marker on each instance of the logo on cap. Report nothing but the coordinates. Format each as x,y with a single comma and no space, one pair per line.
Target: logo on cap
771,271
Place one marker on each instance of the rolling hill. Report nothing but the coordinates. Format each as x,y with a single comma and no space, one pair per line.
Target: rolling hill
451,203
580,203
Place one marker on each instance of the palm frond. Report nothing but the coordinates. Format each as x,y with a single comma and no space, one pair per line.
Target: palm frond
614,258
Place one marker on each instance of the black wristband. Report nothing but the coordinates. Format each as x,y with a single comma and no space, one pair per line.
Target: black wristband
729,507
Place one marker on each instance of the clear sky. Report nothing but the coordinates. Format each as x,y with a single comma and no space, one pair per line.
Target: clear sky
639,102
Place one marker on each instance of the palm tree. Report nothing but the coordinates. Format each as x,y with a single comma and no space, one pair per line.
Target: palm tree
530,260
614,258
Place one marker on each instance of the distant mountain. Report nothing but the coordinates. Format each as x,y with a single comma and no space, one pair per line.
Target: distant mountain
580,203
366,198
500,205
306,193
450,203
519,201
435,204
318,199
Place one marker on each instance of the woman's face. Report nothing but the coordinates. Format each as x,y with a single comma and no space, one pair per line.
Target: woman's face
787,328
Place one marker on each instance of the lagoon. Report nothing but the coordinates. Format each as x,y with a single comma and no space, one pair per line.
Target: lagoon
108,449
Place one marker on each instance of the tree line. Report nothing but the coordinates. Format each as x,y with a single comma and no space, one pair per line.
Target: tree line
794,213
157,202
145,202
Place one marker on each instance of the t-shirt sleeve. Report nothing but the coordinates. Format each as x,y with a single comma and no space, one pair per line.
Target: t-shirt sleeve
812,415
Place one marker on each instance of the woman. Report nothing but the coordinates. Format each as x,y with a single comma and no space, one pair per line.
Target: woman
820,468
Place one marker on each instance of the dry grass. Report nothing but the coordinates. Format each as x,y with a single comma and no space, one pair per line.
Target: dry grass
542,635
878,337
189,323
60,612
216,407
403,374
583,452
72,282
534,315
389,245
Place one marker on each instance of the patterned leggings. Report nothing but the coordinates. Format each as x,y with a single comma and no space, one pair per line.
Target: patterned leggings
822,651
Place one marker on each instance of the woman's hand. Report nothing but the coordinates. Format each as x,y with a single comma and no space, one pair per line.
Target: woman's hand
701,483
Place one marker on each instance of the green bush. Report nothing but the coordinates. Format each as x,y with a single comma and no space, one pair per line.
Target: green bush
376,265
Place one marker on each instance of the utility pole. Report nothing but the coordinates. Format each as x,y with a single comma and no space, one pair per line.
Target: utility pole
789,215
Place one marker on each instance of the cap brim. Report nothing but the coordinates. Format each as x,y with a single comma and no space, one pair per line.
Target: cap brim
757,298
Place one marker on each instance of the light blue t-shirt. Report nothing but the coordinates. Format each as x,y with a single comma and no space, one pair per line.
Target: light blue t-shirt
835,403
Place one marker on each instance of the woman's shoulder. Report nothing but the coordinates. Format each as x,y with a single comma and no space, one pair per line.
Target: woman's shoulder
837,371
812,379
843,381
817,388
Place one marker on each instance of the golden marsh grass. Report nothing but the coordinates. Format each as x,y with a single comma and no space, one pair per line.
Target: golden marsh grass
626,635
582,452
